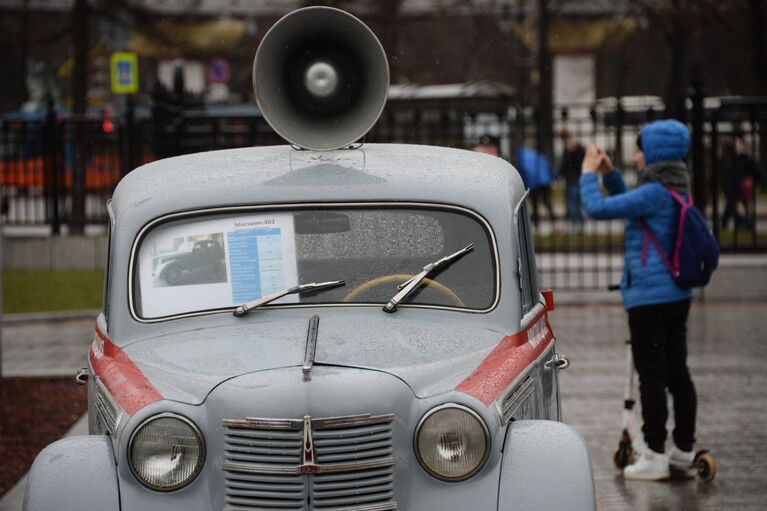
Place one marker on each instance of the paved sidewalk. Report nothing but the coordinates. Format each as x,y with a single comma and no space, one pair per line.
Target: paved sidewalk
45,345
39,347
739,278
727,352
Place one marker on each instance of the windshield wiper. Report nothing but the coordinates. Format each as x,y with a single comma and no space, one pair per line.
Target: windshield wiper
301,288
408,287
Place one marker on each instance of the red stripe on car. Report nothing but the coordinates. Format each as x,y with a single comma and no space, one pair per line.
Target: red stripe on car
507,361
120,376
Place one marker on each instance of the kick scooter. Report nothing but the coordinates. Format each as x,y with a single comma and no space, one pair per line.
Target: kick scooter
631,444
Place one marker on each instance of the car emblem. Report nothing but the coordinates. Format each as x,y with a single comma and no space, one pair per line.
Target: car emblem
308,465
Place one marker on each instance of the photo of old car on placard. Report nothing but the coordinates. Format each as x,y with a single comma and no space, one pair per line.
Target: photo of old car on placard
191,260
326,325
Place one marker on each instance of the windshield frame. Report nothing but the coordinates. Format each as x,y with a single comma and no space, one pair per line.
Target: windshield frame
289,207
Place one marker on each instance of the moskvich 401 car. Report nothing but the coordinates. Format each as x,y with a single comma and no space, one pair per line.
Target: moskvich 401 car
366,332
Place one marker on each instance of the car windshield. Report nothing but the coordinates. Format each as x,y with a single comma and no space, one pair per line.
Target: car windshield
217,262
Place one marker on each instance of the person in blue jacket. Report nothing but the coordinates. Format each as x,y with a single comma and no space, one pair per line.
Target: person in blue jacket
657,308
538,175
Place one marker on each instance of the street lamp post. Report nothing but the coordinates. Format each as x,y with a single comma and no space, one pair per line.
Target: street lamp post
80,39
1,295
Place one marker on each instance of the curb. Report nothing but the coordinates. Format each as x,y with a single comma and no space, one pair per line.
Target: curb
26,317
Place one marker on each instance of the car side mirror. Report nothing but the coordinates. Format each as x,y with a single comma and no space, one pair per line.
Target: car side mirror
548,297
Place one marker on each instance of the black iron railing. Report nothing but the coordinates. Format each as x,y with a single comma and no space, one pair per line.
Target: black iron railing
57,170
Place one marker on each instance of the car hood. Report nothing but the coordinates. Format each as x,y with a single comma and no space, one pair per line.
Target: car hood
430,355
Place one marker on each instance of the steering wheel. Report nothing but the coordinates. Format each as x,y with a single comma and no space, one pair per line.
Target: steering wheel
399,278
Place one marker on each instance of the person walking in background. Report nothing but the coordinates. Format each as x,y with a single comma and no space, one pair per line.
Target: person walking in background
734,163
657,308
538,174
570,169
751,175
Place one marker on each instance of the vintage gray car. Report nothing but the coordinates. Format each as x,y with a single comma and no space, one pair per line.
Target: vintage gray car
377,341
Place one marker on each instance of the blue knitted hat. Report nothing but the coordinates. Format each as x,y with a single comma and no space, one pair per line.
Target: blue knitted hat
664,140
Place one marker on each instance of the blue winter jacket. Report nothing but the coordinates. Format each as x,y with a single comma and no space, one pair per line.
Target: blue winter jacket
534,167
651,283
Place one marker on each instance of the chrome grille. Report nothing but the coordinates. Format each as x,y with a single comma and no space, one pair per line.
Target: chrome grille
107,410
259,469
258,491
519,404
348,465
360,488
357,490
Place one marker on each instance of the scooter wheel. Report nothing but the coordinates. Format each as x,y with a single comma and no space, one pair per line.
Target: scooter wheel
623,457
706,465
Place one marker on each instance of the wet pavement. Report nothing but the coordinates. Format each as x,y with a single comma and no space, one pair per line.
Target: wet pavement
51,347
727,351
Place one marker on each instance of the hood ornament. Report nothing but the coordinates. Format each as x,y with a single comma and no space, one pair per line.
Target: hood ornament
311,347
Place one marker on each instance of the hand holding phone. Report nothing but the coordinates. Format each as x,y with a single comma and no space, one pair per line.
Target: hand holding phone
596,160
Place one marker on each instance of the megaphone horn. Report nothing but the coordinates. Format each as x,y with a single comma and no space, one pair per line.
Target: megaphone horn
320,77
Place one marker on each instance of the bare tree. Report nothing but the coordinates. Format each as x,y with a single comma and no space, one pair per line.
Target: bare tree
386,14
746,23
753,39
545,114
759,39
339,4
677,20
668,17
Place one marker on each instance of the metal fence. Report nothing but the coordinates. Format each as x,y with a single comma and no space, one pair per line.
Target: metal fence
737,121
591,258
48,164
58,171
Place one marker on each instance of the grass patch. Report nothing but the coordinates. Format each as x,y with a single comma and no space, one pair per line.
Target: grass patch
590,243
52,290
743,237
577,243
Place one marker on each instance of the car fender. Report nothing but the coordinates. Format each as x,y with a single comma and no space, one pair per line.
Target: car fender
74,474
546,465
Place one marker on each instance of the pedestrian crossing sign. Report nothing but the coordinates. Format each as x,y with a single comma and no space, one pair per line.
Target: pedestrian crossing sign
124,72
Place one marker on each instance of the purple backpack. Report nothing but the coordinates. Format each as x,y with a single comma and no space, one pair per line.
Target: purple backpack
696,253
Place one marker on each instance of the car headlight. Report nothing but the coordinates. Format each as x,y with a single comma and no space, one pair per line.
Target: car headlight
452,442
166,452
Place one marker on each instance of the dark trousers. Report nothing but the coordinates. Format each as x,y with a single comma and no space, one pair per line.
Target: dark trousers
731,211
573,197
659,346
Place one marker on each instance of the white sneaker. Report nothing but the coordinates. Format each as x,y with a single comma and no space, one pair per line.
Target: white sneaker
680,462
651,466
